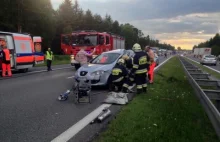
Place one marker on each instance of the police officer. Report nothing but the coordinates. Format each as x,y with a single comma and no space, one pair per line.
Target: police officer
119,76
49,57
140,67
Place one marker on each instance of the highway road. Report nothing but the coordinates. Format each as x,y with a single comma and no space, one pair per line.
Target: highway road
217,67
30,110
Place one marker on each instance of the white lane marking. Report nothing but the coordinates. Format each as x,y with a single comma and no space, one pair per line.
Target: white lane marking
46,70
204,65
69,133
73,130
70,77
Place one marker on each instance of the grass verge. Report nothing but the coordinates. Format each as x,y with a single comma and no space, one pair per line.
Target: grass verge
58,60
170,112
215,74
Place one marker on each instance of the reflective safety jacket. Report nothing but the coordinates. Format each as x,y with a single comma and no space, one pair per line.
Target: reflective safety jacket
140,63
49,55
6,56
119,72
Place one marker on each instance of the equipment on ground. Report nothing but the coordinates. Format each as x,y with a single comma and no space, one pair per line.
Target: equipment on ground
64,96
102,116
82,90
117,98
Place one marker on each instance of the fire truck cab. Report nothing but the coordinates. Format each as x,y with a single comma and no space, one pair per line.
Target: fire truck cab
102,41
25,52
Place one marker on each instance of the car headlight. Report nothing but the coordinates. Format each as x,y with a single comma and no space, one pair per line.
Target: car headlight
72,56
97,73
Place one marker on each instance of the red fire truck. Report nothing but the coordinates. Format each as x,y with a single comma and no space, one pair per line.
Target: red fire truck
102,41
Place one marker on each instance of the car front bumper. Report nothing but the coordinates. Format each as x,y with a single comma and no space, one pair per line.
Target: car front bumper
97,80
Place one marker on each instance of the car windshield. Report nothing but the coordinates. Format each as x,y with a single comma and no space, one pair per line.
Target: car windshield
105,58
210,56
81,40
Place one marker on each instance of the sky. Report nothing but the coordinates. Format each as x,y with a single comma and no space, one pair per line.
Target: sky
183,23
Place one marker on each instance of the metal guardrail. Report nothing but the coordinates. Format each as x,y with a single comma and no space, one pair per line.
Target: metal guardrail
210,99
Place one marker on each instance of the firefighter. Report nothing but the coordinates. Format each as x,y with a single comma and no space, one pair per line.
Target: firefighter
151,55
49,57
129,66
119,76
140,67
6,66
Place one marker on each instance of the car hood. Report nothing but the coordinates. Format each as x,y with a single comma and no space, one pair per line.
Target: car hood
96,67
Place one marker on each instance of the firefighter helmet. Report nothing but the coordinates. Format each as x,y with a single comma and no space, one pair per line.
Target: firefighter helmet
121,61
136,47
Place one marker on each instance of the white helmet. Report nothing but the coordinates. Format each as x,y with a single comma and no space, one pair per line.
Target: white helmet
121,61
136,47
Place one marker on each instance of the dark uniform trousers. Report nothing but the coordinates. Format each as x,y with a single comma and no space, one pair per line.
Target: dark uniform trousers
119,79
141,82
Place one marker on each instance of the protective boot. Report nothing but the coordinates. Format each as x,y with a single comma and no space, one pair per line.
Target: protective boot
3,69
139,91
145,89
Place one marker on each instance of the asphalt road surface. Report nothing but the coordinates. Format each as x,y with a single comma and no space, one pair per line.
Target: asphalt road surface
30,110
217,67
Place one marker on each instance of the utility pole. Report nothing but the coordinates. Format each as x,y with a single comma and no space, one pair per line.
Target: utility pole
19,20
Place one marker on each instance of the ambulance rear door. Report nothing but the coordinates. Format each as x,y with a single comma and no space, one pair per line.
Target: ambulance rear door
24,51
38,53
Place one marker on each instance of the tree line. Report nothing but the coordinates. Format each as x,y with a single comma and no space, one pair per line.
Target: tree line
213,43
39,18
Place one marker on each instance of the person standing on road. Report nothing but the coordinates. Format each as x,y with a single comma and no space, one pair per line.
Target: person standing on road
6,65
82,56
151,55
165,54
49,57
140,67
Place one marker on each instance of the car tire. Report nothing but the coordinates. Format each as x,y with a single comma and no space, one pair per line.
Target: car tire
108,84
23,70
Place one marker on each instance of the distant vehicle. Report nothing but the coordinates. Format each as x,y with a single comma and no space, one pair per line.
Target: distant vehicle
99,71
200,52
209,60
25,50
156,59
155,49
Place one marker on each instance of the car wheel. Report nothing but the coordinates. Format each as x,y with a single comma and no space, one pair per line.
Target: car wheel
23,70
108,84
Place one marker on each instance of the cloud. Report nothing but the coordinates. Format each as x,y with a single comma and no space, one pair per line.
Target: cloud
178,22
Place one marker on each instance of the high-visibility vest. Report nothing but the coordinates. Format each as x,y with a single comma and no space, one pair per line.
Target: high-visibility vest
7,54
49,56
